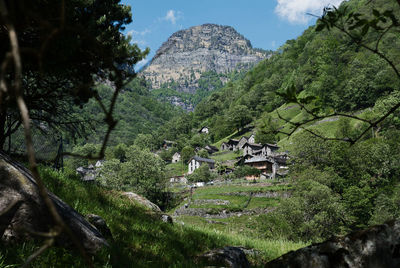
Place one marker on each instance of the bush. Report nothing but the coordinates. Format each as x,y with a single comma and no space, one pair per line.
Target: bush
244,171
143,172
203,174
314,212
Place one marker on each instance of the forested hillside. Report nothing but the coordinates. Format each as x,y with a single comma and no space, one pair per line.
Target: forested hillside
326,64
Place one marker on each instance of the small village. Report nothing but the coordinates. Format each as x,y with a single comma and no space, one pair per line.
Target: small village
266,158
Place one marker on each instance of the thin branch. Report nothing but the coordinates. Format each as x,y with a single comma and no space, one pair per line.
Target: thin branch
29,142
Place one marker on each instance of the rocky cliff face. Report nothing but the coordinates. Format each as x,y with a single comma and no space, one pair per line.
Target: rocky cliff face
188,53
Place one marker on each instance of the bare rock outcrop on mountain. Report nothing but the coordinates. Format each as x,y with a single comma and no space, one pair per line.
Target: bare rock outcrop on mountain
190,52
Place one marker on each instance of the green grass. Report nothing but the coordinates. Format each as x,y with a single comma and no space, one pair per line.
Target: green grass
269,249
141,239
242,227
225,155
240,188
175,169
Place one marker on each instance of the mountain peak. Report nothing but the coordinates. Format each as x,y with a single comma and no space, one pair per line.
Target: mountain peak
188,53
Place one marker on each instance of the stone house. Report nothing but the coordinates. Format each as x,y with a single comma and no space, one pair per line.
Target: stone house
195,162
245,139
242,142
271,149
211,149
264,164
176,157
252,139
225,146
259,149
253,149
233,144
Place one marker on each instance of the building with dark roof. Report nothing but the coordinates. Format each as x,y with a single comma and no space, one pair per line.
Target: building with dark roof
195,162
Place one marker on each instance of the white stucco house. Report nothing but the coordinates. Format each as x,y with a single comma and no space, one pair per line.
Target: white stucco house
176,157
195,162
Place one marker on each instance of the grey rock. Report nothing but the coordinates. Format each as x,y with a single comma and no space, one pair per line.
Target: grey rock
166,218
208,47
22,210
374,247
224,257
87,173
143,201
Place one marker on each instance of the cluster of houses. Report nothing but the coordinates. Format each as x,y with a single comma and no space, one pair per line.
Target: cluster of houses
264,157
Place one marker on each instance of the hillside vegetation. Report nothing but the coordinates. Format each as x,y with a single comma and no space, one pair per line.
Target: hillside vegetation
324,64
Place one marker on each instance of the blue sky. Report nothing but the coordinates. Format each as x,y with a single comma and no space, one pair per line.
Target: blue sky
266,23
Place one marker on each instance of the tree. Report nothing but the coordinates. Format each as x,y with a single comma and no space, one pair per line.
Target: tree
186,153
266,131
365,31
142,171
202,174
51,54
239,116
61,59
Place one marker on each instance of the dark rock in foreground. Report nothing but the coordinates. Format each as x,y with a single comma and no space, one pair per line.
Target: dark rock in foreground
22,210
375,247
224,257
100,225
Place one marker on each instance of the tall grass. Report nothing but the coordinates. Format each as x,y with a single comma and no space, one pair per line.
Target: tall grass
141,239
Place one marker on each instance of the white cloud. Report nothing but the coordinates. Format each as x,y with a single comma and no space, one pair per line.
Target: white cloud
172,16
138,33
295,11
137,37
140,64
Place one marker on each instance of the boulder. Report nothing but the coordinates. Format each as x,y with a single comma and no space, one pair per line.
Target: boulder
166,218
375,247
22,210
143,201
87,173
224,257
100,225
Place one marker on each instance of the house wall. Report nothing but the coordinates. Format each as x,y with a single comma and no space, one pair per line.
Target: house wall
247,150
193,165
224,147
176,158
242,141
252,139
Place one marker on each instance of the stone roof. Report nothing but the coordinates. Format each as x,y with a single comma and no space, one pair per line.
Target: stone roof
256,159
253,145
233,141
272,145
212,147
201,159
